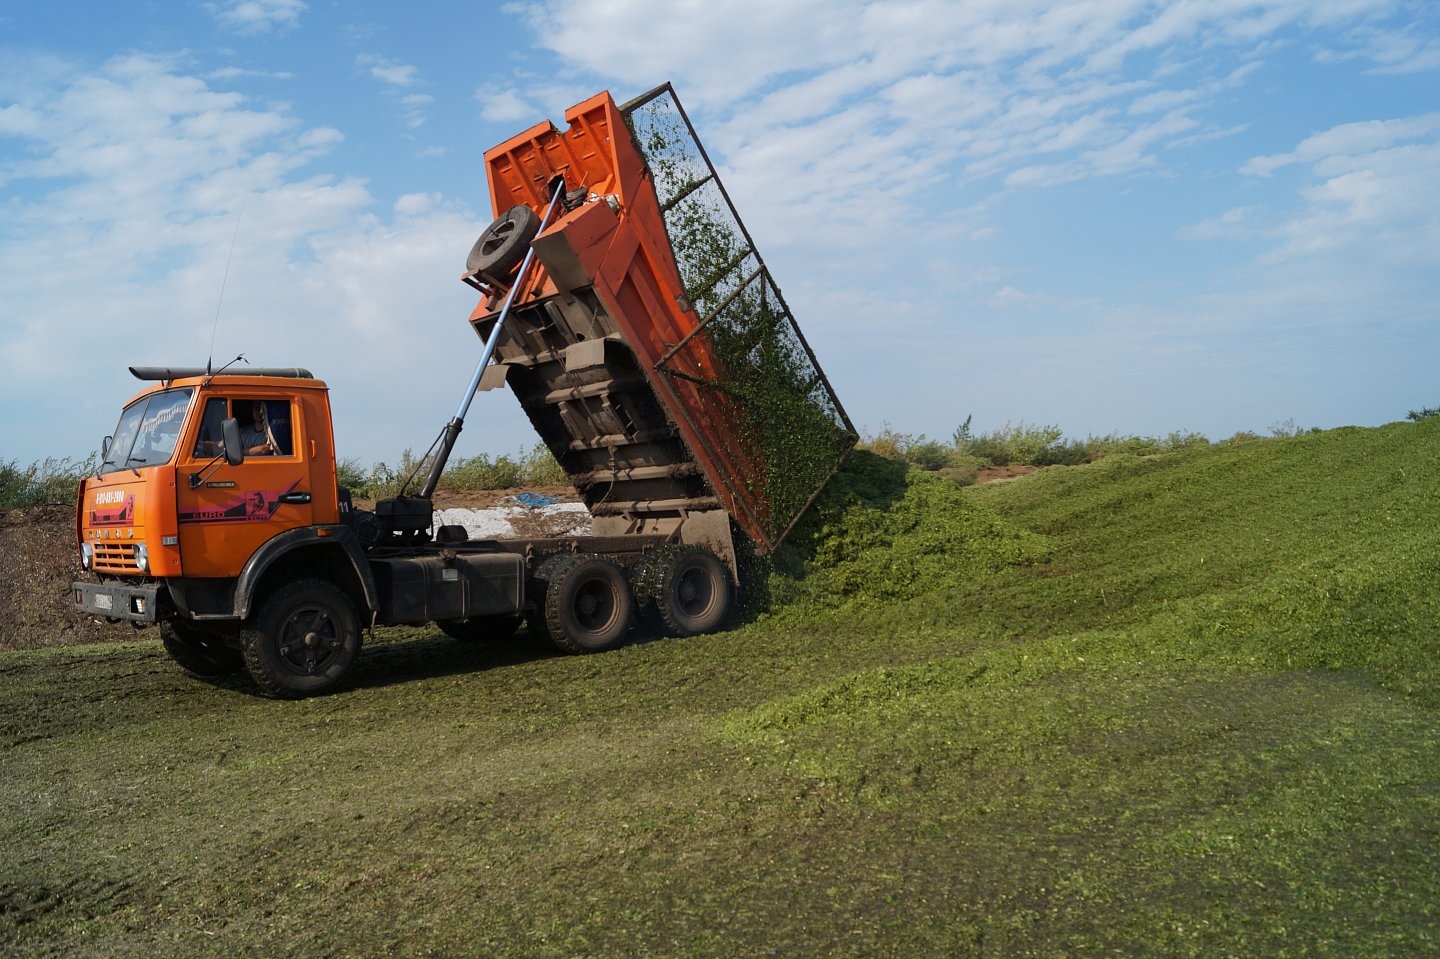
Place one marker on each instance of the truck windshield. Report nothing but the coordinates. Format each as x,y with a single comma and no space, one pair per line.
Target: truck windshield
147,431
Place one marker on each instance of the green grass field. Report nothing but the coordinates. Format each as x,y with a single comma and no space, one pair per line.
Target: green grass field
1171,705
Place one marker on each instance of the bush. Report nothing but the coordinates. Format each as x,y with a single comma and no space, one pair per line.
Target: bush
480,472
920,451
49,481
1017,445
541,469
535,467
1286,429
960,475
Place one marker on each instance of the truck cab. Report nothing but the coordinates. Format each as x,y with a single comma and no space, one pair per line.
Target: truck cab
215,514
196,522
166,504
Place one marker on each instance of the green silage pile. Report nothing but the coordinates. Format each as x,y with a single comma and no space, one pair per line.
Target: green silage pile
882,533
1170,705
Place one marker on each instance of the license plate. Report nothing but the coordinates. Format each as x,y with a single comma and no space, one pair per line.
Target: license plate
103,601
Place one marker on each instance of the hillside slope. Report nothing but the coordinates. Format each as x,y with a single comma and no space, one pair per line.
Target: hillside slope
1175,705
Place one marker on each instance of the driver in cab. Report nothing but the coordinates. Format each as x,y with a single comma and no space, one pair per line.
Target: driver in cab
255,436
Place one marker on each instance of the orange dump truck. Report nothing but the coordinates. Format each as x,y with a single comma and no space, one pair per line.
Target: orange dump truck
624,305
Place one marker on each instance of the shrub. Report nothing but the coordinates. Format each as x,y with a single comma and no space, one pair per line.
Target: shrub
481,472
49,481
539,468
960,475
1286,429
1017,445
920,451
350,475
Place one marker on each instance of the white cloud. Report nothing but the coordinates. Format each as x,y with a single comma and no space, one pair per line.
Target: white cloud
257,16
1414,48
240,73
997,83
1376,205
398,77
1348,139
887,100
871,142
117,231
1236,223
502,106
389,71
415,204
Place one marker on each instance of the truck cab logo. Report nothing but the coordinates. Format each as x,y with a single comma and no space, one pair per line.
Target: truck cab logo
250,506
114,516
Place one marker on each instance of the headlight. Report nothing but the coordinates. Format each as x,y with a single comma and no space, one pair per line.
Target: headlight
142,557
87,555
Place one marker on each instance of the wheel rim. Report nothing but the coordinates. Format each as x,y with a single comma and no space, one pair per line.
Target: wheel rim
309,640
594,605
499,236
695,591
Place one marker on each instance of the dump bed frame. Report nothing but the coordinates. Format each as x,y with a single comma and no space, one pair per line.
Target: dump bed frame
652,349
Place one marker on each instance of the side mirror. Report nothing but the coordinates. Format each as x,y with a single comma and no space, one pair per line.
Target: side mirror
230,433
105,447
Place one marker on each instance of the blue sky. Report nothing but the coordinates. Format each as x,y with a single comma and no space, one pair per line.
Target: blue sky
1115,216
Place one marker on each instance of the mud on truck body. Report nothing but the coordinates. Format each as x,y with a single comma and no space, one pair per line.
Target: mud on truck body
625,306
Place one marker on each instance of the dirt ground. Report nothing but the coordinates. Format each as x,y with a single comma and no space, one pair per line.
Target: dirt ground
997,474
41,561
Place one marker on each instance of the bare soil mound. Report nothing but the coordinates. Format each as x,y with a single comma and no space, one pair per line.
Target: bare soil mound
40,562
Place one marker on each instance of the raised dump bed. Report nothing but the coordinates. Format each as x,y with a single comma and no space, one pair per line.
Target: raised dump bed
649,344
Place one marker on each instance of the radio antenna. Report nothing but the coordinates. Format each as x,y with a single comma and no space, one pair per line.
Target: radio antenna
214,327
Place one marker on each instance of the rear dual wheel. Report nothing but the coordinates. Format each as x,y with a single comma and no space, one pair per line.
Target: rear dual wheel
584,603
687,589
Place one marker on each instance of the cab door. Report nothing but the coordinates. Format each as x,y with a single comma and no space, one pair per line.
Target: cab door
235,509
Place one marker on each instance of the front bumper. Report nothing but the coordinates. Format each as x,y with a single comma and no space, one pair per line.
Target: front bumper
139,603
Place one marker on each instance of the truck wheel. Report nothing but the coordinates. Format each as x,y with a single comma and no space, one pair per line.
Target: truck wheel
503,244
201,654
585,603
689,590
303,640
495,628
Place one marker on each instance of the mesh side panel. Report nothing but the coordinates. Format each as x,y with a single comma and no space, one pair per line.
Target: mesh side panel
748,345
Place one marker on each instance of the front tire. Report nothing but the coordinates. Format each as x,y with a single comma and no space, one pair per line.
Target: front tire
201,654
303,640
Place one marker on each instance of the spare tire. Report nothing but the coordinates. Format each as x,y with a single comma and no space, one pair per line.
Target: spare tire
503,244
